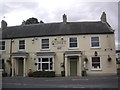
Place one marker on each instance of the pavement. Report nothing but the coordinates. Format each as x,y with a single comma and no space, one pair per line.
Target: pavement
61,82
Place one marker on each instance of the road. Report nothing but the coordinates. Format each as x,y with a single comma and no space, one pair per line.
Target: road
61,82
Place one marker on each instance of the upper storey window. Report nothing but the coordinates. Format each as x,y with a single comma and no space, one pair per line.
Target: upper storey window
21,44
73,42
45,44
95,42
2,45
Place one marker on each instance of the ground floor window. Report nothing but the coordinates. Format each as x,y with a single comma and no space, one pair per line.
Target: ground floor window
96,63
2,64
46,63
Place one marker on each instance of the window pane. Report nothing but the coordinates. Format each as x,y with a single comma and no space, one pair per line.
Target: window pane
95,44
96,59
73,44
3,47
96,62
39,60
51,64
45,40
39,66
44,59
73,39
45,66
22,47
97,66
22,42
94,38
45,46
3,42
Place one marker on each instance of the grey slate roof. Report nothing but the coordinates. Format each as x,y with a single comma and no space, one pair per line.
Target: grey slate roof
56,29
45,54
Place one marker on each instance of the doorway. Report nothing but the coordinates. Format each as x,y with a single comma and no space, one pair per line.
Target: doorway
20,66
73,66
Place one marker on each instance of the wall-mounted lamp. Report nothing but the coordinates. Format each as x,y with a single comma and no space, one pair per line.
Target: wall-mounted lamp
61,38
61,64
96,53
109,58
85,59
12,41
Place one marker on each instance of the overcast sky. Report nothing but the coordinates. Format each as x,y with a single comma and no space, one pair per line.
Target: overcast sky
15,11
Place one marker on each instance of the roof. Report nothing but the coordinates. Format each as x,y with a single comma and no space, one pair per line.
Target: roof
45,54
56,29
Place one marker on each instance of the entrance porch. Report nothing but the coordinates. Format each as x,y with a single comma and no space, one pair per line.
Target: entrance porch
19,60
73,63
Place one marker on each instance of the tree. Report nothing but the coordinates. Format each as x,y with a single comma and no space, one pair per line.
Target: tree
30,21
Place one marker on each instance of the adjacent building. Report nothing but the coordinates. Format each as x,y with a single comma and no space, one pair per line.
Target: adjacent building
69,47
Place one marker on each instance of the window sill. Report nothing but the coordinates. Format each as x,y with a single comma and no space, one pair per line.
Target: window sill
96,69
73,48
21,50
45,49
95,47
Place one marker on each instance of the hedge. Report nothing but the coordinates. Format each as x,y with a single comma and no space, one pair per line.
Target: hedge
4,74
42,74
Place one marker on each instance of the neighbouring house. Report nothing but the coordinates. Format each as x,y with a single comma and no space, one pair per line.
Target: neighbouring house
118,58
69,47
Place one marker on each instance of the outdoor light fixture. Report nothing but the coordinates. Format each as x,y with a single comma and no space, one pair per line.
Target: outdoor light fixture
95,53
86,59
61,64
109,58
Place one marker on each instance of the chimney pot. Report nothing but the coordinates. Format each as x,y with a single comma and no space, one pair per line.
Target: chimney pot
103,17
3,24
64,19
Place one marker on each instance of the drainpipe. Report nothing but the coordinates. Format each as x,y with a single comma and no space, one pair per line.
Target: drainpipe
64,63
11,57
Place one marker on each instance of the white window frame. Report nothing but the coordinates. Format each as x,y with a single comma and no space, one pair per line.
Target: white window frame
95,69
69,43
5,45
45,62
19,45
49,44
91,42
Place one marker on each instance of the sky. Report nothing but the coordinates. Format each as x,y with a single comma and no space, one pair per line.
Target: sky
49,11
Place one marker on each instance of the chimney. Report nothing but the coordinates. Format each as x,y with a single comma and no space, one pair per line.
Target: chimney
3,24
103,17
64,19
